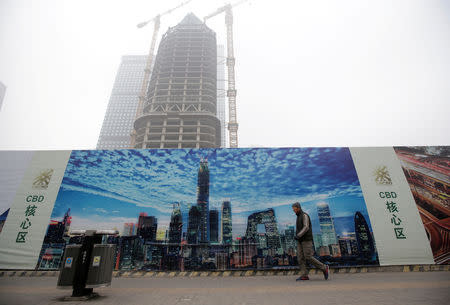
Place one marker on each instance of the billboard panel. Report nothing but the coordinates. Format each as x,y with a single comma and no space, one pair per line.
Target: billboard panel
25,226
399,233
427,170
217,209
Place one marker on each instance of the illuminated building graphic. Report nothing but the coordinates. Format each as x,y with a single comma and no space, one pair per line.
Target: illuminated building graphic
175,225
247,250
203,200
131,253
348,244
193,235
267,218
326,225
364,238
57,230
214,226
227,229
129,229
147,227
54,243
291,243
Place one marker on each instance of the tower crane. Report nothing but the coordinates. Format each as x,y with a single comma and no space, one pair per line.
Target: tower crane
231,92
148,66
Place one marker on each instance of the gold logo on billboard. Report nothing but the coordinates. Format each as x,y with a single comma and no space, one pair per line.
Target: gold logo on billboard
382,176
42,181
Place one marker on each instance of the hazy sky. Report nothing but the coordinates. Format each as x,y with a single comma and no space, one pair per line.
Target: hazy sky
309,73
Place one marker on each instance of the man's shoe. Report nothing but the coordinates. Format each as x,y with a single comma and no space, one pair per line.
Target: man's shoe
302,278
326,272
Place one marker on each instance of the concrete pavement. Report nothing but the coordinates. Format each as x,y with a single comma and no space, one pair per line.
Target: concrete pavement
360,288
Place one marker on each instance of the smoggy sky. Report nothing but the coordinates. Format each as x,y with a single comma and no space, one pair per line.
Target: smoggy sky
309,73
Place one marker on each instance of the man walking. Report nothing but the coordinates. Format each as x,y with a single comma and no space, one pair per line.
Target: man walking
305,251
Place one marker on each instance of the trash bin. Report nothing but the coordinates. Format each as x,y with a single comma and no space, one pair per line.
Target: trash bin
87,265
68,268
101,266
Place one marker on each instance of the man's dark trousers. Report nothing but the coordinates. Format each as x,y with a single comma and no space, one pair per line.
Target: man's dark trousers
305,253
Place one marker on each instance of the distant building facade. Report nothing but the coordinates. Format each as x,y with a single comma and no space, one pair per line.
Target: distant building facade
121,112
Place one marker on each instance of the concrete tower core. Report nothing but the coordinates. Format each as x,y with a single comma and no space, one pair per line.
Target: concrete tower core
181,105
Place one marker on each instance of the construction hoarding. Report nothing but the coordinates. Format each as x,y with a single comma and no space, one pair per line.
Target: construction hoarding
219,209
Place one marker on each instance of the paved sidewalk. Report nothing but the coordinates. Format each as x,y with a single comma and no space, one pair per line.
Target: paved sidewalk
360,288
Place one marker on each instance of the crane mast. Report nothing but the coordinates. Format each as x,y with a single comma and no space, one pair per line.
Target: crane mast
231,91
148,67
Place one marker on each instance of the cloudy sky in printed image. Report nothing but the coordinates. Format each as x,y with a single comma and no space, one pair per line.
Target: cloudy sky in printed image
114,186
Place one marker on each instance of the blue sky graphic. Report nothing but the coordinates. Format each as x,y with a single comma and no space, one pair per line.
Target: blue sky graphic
105,188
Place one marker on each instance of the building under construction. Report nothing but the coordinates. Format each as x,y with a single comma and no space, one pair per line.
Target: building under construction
180,109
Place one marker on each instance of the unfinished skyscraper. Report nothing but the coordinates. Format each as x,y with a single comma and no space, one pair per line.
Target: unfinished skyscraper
181,106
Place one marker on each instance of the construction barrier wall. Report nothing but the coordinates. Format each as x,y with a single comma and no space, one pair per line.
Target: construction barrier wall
227,209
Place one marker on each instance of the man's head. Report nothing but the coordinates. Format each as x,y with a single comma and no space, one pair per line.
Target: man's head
296,208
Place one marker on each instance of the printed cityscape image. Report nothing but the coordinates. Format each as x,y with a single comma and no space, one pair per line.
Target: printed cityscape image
427,170
212,209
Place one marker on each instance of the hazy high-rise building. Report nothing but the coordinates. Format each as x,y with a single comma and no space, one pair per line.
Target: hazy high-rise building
326,225
121,112
203,200
214,226
226,227
2,94
180,110
221,94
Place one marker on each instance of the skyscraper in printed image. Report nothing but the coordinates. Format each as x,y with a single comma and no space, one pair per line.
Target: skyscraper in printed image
366,246
326,225
203,200
268,219
147,227
176,224
214,226
129,229
226,224
193,225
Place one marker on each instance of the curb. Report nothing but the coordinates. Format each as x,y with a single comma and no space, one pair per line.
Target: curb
239,273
